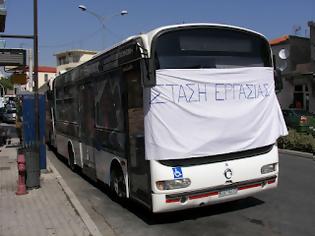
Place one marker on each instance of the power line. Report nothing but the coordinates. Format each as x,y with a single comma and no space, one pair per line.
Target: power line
70,43
78,41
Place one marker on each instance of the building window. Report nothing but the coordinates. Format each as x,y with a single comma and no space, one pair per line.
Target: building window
46,77
109,102
61,60
76,58
301,97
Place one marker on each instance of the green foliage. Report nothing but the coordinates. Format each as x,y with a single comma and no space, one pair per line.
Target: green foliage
297,141
6,83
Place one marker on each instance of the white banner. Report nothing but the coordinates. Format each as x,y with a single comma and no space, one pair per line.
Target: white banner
202,112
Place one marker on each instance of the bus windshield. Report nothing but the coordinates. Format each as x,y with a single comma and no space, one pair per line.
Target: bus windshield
211,48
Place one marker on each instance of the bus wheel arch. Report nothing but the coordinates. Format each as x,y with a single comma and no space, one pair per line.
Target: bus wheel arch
117,183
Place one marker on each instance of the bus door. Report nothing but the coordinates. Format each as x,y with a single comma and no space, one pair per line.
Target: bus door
138,167
87,129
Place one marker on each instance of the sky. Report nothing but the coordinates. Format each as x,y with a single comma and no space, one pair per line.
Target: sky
63,26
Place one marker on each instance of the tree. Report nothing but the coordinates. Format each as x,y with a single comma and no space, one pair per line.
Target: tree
5,84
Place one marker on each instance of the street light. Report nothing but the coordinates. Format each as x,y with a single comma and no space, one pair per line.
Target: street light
82,7
101,19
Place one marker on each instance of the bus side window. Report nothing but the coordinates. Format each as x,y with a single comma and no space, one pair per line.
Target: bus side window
135,100
108,100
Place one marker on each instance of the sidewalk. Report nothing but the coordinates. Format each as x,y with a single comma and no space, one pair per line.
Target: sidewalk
43,211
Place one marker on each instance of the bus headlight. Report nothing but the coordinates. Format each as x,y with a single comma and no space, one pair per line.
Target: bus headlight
268,168
173,184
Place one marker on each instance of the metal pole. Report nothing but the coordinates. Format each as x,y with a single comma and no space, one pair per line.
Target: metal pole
36,98
14,36
35,52
30,83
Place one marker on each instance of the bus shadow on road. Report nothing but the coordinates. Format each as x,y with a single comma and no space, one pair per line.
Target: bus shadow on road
149,218
191,214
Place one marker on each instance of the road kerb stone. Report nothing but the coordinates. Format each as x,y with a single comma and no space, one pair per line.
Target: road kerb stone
297,153
76,203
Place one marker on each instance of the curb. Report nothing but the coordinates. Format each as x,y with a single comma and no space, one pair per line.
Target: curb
75,202
297,153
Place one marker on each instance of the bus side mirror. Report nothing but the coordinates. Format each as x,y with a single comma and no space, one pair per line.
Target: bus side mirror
278,81
148,69
148,75
277,76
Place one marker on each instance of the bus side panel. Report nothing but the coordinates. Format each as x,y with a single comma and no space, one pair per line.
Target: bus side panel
103,162
62,148
77,152
139,171
62,145
88,161
86,131
67,133
138,167
108,145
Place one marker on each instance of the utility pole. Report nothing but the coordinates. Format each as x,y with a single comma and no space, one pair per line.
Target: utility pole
36,144
30,84
35,78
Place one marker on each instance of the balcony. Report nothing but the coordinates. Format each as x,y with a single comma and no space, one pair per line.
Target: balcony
3,15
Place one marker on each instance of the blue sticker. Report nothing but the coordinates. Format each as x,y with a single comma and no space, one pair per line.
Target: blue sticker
177,172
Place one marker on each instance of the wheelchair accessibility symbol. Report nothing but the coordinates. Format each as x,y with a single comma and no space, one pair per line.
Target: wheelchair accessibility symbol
177,172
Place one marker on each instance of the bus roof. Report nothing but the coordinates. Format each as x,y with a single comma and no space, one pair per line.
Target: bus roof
153,32
148,37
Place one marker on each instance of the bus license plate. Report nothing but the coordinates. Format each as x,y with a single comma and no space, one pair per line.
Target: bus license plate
228,192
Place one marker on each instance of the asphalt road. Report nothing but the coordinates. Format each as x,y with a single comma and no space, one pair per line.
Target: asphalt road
288,210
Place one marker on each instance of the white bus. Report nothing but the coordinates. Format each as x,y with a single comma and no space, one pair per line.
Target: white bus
180,117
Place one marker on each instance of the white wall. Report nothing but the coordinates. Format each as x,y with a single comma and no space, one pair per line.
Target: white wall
69,58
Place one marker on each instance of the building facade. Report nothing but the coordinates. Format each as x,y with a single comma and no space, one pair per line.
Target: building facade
293,56
69,59
45,73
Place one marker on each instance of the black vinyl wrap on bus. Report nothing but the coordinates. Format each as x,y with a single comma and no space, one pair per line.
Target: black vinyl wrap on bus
217,158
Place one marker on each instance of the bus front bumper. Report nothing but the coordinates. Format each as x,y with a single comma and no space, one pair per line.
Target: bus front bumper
214,195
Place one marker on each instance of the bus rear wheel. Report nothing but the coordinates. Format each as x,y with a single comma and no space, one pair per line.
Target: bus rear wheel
117,184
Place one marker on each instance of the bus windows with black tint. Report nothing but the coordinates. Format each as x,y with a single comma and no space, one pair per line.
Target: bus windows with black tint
211,48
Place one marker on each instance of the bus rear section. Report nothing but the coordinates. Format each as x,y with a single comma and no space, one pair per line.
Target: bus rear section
212,120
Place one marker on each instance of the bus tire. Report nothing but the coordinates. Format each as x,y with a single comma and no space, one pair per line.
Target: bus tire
117,183
71,159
